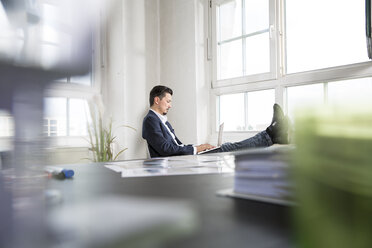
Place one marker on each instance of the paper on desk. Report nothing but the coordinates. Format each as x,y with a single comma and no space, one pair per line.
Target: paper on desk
147,172
180,165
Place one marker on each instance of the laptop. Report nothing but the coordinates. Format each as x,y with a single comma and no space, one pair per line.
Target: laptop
219,142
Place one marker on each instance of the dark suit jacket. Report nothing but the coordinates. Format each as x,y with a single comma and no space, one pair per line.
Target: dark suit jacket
159,140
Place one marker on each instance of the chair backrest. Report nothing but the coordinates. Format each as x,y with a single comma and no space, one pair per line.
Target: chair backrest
148,151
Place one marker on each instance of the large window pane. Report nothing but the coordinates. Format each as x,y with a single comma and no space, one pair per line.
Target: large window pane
79,113
230,61
50,13
232,112
243,42
50,34
302,97
50,54
257,15
257,54
6,124
229,18
260,109
323,34
55,116
356,92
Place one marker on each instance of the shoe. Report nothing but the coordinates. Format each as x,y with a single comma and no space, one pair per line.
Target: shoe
278,129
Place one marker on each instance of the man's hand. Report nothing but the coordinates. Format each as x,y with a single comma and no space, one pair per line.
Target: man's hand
204,147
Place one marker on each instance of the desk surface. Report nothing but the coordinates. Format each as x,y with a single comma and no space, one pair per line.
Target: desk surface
224,222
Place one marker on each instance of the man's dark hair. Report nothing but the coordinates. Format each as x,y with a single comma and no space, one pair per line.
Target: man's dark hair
159,91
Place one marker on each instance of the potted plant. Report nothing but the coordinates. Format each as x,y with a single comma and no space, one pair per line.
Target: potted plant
101,137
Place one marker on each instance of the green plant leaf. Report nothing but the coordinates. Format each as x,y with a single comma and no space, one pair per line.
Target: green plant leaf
101,139
117,155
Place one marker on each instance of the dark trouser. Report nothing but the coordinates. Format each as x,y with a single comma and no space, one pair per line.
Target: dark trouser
261,139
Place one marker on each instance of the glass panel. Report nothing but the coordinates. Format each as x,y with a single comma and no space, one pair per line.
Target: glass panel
351,92
260,109
79,113
50,12
323,34
258,54
232,112
50,34
50,55
6,124
300,97
230,60
257,15
84,79
55,114
229,20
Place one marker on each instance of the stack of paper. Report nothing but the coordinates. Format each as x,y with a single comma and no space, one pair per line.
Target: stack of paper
263,174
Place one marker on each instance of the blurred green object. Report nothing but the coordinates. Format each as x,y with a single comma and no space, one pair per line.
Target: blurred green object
332,168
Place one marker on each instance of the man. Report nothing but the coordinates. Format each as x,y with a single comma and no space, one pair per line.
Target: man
162,140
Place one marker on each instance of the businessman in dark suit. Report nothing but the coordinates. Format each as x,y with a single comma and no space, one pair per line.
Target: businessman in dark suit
162,140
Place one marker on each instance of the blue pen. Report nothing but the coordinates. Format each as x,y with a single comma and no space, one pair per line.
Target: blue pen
59,172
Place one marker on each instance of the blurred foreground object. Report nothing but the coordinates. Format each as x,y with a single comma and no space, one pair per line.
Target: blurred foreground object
114,221
40,41
49,36
333,174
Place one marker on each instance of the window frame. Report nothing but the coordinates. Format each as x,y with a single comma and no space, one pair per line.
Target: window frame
274,62
282,79
246,116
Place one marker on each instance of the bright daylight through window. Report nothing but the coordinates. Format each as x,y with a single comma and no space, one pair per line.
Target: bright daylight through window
249,111
242,38
320,56
337,93
323,34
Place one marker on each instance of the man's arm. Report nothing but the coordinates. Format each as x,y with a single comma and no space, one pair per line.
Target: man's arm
198,148
203,147
155,138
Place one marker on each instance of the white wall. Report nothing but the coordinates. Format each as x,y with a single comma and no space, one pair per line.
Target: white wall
152,42
131,70
182,61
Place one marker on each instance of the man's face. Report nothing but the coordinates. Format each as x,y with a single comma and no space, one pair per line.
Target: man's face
164,104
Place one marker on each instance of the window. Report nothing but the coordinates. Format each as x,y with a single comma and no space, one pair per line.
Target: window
308,52
232,112
243,38
6,124
65,116
55,116
351,92
355,93
260,109
78,117
249,111
323,34
302,97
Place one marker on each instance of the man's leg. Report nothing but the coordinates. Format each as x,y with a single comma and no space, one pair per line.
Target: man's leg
278,129
261,139
276,133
